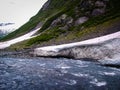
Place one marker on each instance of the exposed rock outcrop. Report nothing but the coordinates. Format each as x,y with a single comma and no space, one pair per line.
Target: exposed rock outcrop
81,13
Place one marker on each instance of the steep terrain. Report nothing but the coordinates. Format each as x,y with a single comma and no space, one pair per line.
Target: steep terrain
66,21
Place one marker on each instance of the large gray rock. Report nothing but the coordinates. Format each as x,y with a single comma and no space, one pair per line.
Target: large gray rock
81,20
64,21
98,11
59,20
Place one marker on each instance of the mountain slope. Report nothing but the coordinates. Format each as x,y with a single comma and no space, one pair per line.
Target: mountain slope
66,21
39,18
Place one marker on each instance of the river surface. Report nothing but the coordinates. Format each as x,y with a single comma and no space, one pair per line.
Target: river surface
56,74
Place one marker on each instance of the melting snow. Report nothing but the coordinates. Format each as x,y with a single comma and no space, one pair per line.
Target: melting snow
19,39
86,42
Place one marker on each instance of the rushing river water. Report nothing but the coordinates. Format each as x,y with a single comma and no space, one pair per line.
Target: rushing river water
56,74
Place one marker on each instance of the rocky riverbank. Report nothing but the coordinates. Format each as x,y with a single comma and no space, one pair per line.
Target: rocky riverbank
16,53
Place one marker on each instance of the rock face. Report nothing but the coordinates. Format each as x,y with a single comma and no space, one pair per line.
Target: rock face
106,50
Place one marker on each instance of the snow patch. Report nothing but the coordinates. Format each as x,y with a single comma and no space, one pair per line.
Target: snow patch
19,39
86,42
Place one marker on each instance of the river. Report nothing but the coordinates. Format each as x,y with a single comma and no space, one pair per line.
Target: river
56,74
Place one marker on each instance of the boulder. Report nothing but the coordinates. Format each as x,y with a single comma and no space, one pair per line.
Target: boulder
81,20
98,11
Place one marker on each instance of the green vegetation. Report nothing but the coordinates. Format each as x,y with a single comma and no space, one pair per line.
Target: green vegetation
46,36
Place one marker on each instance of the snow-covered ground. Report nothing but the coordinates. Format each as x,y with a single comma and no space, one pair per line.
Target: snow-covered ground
86,42
19,39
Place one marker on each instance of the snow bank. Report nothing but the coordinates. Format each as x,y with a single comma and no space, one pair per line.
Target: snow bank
19,39
97,48
86,42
